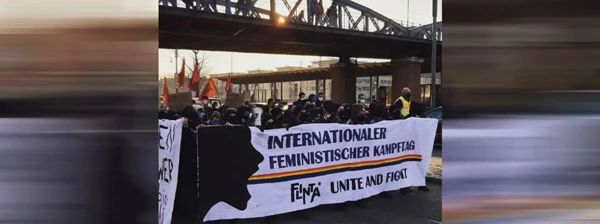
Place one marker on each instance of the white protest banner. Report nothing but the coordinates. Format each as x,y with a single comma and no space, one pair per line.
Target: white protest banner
315,164
169,146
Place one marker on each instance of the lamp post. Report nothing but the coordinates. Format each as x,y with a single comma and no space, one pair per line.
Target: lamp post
432,90
407,12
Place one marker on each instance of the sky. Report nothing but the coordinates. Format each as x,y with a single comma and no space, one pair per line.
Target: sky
419,11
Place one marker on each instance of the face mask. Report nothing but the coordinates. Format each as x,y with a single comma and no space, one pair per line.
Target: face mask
302,98
407,96
320,98
205,102
361,100
201,115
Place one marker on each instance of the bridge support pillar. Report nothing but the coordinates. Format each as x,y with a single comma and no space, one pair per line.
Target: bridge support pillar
406,72
343,80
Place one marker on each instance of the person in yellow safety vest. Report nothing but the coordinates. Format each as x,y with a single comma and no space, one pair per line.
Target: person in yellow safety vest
403,102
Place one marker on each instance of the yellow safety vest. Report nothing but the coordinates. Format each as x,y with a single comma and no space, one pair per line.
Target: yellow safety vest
405,106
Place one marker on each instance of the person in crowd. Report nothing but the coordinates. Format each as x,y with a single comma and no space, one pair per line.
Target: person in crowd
245,114
403,102
312,11
299,116
215,107
204,101
192,117
207,108
173,115
287,117
300,17
332,15
403,108
244,7
319,12
330,111
314,115
406,106
267,121
306,103
320,99
227,115
247,103
215,118
312,98
270,105
277,114
345,113
162,106
361,99
358,114
162,114
395,113
340,109
201,5
301,97
379,114
201,114
372,107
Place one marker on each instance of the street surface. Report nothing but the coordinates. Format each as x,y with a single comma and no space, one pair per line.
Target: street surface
435,164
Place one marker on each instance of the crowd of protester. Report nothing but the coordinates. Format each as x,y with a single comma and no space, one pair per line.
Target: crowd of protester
305,110
277,114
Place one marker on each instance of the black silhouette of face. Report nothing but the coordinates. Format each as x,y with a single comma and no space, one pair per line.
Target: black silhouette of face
226,160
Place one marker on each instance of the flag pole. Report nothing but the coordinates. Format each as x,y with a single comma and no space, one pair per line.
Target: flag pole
176,77
197,88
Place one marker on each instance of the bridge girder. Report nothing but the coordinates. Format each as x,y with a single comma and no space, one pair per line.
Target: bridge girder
367,17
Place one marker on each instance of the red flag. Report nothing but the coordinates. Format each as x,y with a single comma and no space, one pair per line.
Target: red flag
181,74
195,78
165,91
228,84
210,89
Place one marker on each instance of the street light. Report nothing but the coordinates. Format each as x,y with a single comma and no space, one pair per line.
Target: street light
281,20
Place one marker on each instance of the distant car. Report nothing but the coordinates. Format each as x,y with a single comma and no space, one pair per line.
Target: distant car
210,101
437,114
198,106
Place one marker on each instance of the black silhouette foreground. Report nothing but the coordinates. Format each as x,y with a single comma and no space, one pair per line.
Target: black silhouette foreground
226,160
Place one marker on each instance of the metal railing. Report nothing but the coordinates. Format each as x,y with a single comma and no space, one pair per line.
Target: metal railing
343,14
